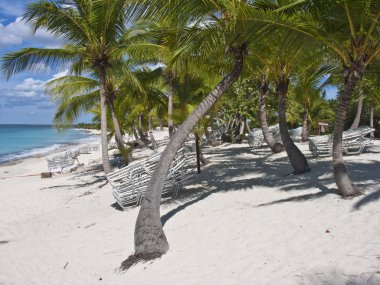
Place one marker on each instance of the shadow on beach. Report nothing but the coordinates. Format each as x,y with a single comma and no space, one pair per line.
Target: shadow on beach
251,169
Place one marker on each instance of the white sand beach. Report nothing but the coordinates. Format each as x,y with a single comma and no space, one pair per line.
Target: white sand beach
243,220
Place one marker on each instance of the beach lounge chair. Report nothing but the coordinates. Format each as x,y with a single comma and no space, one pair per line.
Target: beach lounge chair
130,182
61,163
66,161
320,145
354,141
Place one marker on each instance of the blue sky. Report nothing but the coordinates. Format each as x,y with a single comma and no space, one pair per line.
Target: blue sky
22,97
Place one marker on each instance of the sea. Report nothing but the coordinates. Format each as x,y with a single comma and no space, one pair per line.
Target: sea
22,141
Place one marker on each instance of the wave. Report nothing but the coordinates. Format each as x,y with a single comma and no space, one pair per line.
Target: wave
44,150
29,153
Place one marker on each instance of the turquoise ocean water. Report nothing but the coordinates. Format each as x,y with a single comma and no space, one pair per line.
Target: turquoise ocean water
20,141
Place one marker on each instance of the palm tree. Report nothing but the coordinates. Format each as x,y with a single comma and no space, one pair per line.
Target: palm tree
350,28
310,82
93,33
367,92
78,94
218,26
264,91
280,61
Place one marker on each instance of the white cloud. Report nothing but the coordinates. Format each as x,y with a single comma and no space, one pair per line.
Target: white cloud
29,88
19,32
30,84
29,92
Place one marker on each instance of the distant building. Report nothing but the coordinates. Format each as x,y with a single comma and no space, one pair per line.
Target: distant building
322,127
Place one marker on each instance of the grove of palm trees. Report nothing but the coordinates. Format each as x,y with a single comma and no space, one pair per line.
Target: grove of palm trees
219,70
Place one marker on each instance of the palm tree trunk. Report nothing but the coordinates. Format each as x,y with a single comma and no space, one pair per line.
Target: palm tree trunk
170,78
296,157
149,235
275,147
345,185
126,153
242,129
103,122
139,129
116,125
137,138
305,126
142,133
151,137
356,122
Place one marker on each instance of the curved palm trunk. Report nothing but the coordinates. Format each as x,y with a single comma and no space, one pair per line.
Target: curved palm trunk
305,126
275,147
356,122
125,152
150,238
345,185
170,104
116,125
296,157
103,123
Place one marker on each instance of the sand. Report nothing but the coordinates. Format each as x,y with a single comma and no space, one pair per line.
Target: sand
243,220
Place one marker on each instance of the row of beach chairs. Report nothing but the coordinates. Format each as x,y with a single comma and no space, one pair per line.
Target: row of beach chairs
256,138
130,182
68,160
354,142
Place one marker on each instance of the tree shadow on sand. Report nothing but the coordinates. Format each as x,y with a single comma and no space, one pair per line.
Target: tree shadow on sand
269,170
370,198
89,173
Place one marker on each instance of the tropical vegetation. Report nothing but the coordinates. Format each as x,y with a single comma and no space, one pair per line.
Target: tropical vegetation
139,64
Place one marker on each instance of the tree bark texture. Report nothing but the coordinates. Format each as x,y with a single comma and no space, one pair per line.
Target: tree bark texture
149,235
116,125
305,126
275,146
296,157
353,74
137,138
356,122
103,122
140,130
